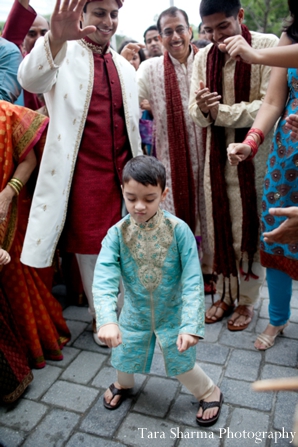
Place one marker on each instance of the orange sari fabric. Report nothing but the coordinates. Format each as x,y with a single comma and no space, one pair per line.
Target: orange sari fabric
36,312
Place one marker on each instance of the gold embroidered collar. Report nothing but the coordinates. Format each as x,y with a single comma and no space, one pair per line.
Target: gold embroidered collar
152,223
95,48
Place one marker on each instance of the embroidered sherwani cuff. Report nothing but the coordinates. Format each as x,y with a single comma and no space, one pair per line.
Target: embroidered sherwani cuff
54,63
199,118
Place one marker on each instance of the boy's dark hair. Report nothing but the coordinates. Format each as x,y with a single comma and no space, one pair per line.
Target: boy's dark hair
151,28
146,170
227,7
291,25
172,12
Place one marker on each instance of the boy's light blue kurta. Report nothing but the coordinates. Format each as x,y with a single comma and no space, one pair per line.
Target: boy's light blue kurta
159,265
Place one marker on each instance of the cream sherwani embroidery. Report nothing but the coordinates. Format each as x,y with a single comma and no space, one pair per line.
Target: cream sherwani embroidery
150,76
67,84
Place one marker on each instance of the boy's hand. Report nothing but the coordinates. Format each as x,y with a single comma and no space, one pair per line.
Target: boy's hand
110,335
185,341
4,257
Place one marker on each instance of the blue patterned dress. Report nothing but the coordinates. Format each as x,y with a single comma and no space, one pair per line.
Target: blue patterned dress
159,265
281,187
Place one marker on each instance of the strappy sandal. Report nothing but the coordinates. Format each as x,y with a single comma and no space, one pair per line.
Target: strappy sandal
269,340
227,310
116,392
205,406
241,310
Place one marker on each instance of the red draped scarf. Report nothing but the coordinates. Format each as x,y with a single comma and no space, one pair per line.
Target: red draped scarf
224,255
183,184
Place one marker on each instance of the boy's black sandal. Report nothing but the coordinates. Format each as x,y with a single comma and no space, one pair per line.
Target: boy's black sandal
116,392
205,406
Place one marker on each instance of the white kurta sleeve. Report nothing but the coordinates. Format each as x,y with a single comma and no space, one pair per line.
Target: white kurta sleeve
38,71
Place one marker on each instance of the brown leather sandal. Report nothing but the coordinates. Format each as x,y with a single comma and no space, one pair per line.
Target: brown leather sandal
222,305
241,310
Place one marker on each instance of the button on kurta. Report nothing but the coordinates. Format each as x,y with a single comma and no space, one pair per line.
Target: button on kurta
276,195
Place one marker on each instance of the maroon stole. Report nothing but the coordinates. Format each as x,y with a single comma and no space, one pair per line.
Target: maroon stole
224,255
183,184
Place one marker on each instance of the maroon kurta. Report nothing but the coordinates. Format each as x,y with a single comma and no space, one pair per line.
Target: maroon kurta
95,198
17,25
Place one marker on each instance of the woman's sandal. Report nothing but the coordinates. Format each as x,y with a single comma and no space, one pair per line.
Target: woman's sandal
205,406
123,393
227,310
269,340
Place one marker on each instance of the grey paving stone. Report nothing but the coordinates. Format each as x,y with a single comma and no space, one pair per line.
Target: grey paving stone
264,292
24,415
156,397
85,440
131,434
239,393
280,442
102,422
245,429
76,329
185,409
11,438
294,315
105,377
77,313
211,353
241,340
213,371
284,411
244,365
191,437
68,355
86,342
158,365
264,309
212,332
84,367
71,396
276,372
284,352
54,430
43,379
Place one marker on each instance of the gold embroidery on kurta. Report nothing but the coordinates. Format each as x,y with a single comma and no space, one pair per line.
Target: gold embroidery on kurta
142,241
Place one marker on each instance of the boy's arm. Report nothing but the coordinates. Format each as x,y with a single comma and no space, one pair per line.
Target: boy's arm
106,280
193,302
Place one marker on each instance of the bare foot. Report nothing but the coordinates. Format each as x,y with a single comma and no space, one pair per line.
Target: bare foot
210,412
238,319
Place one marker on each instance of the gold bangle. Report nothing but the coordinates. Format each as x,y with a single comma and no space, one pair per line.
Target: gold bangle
17,181
16,185
14,188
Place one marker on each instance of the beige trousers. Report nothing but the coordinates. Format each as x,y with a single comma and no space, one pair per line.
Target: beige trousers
249,291
195,380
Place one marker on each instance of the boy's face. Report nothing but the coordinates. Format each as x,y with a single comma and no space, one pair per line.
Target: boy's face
142,201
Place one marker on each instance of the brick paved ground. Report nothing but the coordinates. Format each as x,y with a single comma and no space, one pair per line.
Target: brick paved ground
63,405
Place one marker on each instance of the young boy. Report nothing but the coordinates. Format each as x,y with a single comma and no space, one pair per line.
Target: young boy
155,253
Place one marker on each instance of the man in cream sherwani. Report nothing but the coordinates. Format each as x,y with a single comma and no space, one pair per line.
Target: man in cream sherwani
91,96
